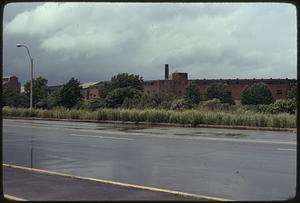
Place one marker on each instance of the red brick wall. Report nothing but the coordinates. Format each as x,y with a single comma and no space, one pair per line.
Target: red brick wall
151,87
94,92
177,86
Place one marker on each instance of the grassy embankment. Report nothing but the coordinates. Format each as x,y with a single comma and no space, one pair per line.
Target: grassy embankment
193,117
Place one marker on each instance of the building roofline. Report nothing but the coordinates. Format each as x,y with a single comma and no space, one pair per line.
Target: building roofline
9,76
236,79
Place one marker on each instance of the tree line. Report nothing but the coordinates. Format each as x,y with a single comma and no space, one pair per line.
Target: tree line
126,91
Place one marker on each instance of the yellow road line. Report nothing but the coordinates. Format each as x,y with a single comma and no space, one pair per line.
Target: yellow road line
13,198
121,184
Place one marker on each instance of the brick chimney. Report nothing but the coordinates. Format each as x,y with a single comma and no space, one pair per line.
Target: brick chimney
166,71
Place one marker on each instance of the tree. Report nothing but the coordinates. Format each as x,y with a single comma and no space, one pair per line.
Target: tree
116,97
258,93
14,98
52,100
70,93
219,91
192,93
39,87
127,80
105,89
122,86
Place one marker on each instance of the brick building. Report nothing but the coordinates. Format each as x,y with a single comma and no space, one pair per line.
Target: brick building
11,83
179,81
91,89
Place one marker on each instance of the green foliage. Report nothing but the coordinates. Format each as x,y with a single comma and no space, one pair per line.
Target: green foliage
39,87
292,94
70,93
180,104
127,80
192,93
258,93
53,99
82,105
284,106
219,91
97,103
91,104
119,88
151,101
279,106
105,88
213,105
14,99
116,97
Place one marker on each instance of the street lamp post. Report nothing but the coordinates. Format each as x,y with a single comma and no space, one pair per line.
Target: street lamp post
31,72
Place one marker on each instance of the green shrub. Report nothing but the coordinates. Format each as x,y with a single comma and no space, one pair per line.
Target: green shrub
214,105
257,93
180,104
280,106
284,106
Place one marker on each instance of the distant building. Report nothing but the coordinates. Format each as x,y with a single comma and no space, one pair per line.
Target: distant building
91,89
179,82
11,83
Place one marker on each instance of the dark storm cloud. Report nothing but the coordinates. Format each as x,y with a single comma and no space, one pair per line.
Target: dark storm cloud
96,41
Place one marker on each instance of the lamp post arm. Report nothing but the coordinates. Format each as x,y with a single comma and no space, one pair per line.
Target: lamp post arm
28,53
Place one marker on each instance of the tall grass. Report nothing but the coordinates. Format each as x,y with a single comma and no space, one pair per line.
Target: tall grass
193,117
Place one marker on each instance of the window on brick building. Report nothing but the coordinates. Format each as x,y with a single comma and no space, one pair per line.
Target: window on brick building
279,91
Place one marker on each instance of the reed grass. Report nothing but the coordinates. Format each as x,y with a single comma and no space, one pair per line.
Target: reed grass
193,117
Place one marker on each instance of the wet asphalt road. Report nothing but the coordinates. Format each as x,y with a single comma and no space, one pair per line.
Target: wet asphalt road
233,164
35,186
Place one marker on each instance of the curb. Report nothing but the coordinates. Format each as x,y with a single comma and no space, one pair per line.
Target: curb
160,124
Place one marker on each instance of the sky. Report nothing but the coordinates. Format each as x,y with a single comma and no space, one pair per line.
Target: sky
95,41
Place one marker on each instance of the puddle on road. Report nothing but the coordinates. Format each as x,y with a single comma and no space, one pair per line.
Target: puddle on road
234,135
156,131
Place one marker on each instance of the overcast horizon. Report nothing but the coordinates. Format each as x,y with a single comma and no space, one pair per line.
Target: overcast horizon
95,41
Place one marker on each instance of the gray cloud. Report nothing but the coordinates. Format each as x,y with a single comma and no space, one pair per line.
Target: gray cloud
94,41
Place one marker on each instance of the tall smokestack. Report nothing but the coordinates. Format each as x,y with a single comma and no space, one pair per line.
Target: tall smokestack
166,71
